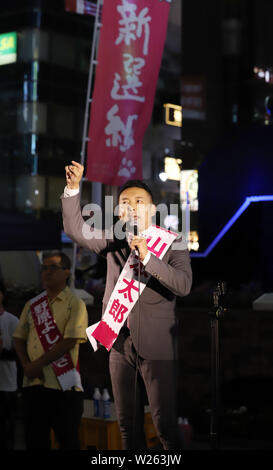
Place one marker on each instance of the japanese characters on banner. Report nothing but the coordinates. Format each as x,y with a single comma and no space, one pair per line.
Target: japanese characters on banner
50,335
131,43
128,289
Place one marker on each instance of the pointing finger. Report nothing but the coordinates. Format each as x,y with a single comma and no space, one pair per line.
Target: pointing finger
78,165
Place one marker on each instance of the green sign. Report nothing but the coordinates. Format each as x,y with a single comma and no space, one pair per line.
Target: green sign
8,48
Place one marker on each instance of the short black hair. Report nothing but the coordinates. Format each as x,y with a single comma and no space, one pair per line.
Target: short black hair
135,184
65,260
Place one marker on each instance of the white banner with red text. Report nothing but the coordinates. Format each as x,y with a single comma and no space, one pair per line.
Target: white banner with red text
128,289
68,376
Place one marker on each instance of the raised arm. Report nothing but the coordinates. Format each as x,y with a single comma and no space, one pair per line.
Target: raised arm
74,225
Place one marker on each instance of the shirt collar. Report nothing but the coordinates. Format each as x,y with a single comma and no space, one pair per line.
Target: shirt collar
129,235
62,295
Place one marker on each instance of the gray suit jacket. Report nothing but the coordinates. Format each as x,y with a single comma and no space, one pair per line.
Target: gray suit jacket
153,322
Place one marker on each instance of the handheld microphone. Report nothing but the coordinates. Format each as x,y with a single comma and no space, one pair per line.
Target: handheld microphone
135,231
135,228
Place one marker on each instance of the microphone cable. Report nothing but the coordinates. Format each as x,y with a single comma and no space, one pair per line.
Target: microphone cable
135,227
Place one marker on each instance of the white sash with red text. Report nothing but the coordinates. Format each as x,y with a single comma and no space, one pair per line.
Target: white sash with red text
68,376
127,289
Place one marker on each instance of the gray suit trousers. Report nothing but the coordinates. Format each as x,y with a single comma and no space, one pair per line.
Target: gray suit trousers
159,378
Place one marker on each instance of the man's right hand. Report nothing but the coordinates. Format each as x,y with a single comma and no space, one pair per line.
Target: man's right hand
74,174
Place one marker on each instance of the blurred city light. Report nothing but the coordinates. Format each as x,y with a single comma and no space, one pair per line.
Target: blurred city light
173,114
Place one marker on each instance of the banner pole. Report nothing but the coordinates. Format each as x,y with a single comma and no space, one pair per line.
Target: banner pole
96,187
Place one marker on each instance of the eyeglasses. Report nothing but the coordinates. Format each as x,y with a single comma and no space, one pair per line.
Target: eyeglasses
50,267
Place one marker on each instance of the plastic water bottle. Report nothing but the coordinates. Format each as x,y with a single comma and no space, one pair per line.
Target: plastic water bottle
106,403
185,431
96,402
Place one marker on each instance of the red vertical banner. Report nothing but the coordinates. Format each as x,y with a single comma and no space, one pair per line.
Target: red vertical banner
131,43
70,5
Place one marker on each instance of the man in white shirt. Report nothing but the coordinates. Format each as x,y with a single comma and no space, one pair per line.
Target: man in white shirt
8,374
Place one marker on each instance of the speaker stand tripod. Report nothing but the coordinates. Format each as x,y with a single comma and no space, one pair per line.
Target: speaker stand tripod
215,313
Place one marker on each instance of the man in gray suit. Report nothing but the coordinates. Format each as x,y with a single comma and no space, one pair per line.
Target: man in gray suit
145,350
